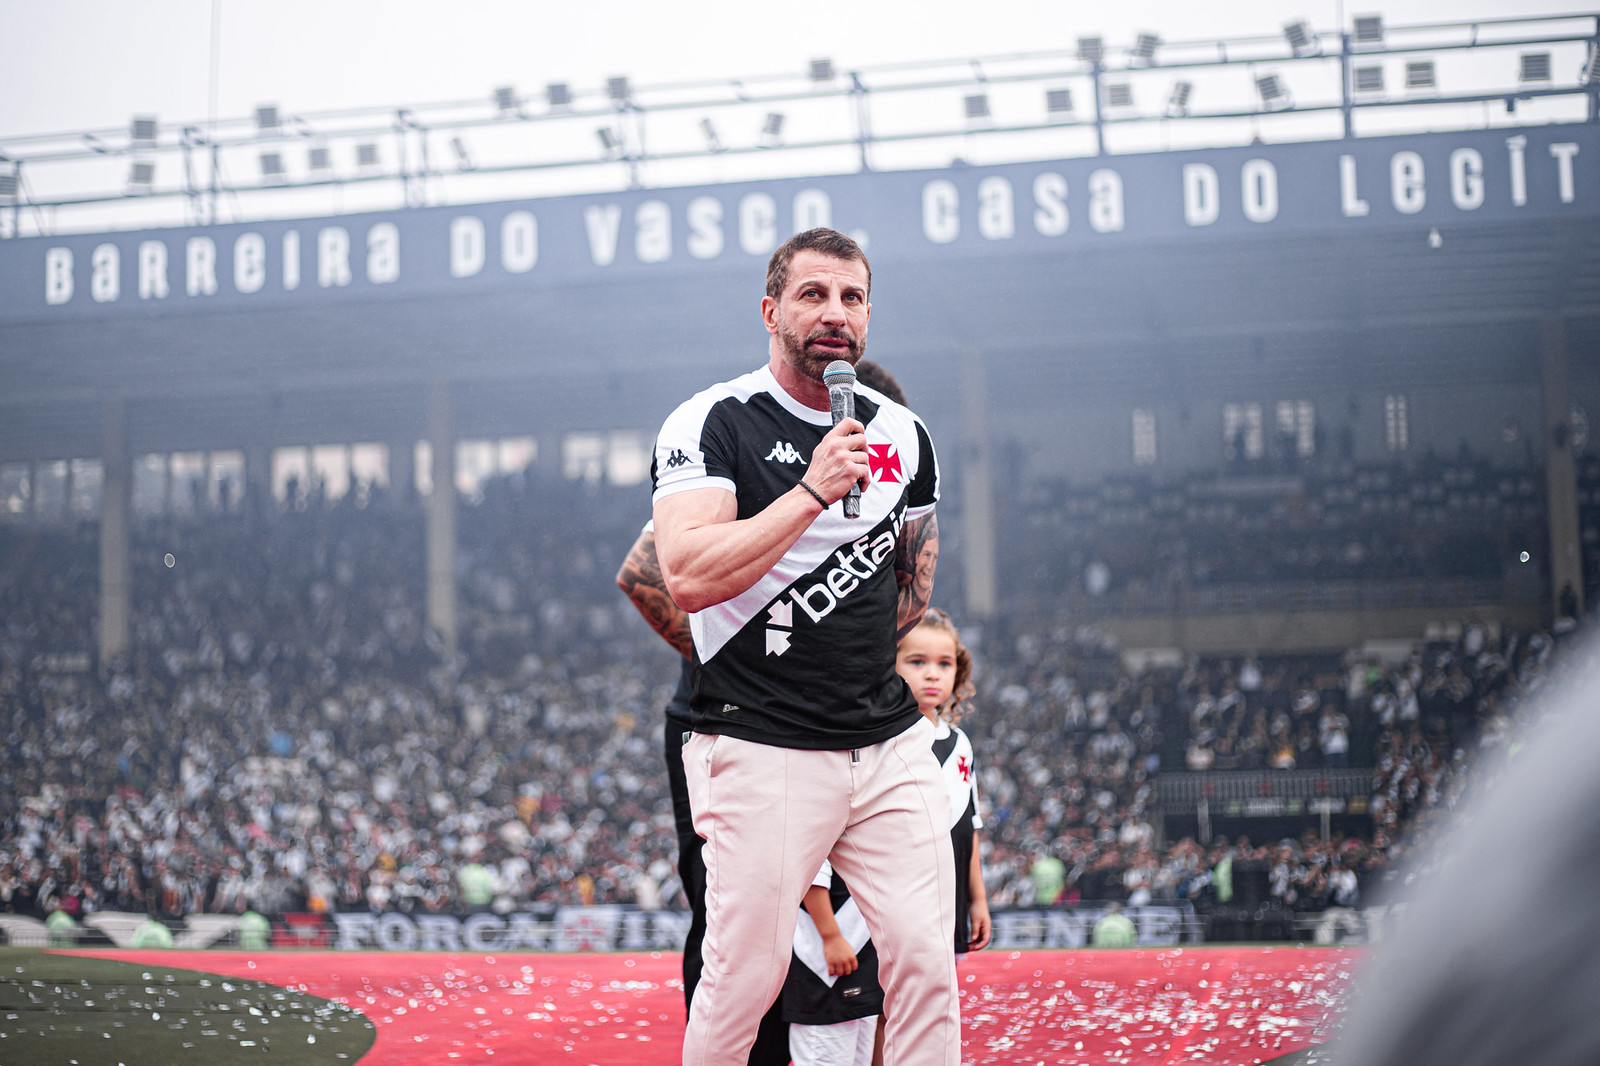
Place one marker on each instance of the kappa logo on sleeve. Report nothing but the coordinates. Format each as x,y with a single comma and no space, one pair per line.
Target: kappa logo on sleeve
676,459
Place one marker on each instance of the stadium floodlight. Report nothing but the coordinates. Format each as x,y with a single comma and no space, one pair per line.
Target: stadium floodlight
1144,48
1303,41
141,176
1274,94
1534,66
463,156
821,70
272,166
268,119
319,158
1178,102
1367,79
976,107
558,94
709,130
506,102
772,129
1119,94
1092,49
10,181
366,155
1058,102
142,131
610,143
1368,30
1420,75
617,89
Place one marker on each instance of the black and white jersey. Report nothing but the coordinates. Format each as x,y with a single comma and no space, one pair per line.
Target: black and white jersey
810,996
954,752
804,658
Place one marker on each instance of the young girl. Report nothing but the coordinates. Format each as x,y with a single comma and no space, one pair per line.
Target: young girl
938,668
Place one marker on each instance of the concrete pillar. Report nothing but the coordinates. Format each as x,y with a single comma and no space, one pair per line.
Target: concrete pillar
402,472
977,490
257,477
1560,469
116,509
442,515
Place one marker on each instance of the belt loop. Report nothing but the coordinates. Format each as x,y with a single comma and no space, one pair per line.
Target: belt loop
855,756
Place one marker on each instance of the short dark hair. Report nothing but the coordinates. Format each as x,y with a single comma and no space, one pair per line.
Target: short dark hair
874,376
829,242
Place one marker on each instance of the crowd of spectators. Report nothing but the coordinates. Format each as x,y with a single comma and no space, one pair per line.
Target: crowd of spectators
287,734
1140,543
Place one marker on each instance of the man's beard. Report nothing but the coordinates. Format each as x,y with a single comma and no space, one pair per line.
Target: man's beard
812,363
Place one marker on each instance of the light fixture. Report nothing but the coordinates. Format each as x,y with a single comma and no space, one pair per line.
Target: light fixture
1119,94
142,131
822,70
1420,75
709,130
1274,95
10,181
609,141
1178,102
506,102
1535,66
366,155
772,129
617,89
1144,48
1092,49
463,157
267,119
1367,79
1368,30
976,106
558,94
1302,40
1058,101
141,176
272,166
319,158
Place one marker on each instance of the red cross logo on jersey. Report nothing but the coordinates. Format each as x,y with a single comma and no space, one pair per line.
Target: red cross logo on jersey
964,768
884,463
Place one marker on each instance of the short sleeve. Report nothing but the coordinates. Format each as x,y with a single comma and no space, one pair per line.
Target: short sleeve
923,492
694,450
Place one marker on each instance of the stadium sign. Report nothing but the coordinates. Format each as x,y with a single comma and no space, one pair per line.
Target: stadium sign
596,928
1334,187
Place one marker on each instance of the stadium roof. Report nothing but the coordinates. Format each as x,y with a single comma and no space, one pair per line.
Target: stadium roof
1407,260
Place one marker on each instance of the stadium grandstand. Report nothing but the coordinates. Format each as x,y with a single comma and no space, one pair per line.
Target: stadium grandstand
1270,494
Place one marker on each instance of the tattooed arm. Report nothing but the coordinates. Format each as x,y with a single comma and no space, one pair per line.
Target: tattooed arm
640,579
915,558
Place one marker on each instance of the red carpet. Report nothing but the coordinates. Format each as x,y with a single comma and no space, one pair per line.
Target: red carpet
1223,1005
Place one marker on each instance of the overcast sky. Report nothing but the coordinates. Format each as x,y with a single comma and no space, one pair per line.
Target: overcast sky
81,64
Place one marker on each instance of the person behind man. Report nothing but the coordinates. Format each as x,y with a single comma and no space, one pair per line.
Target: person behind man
807,745
640,580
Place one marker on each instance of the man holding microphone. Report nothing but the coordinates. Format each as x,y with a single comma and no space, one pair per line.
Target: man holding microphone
807,745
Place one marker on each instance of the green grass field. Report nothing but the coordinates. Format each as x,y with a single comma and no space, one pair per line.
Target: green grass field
66,1010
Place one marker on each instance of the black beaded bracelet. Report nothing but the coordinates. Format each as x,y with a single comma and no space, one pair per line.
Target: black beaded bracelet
814,494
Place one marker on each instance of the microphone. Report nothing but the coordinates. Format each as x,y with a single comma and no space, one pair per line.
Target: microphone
840,377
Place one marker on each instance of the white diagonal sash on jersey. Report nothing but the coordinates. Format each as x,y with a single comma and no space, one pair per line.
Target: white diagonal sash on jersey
808,941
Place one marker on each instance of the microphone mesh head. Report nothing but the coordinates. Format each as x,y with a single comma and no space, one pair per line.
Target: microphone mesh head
839,372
